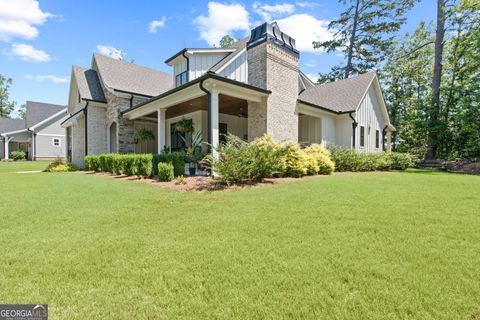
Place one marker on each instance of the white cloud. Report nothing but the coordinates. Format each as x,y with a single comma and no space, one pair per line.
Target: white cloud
313,76
222,19
306,4
311,63
28,53
305,29
19,18
269,12
111,52
156,24
47,77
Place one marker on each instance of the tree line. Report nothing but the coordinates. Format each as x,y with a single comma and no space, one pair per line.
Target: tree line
430,77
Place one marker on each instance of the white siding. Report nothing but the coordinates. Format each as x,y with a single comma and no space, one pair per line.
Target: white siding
309,129
235,125
200,63
343,131
237,69
370,116
328,130
179,67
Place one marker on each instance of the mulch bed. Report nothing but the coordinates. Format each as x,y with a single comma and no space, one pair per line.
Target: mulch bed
198,183
453,166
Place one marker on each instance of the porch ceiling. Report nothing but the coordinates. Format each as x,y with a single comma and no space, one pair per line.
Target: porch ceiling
227,105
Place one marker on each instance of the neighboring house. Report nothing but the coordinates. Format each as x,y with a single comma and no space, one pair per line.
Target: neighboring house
39,135
248,89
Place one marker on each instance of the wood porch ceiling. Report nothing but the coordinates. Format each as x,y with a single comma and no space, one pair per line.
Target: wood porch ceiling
227,105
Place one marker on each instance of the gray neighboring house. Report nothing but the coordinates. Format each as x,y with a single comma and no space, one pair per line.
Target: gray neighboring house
251,88
39,135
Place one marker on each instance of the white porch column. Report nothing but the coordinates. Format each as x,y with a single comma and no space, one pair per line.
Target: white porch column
161,123
214,118
34,147
6,142
389,141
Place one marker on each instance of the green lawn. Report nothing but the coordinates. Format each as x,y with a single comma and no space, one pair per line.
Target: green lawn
348,246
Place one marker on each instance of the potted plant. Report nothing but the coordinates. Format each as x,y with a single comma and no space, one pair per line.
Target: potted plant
191,160
143,135
184,125
193,151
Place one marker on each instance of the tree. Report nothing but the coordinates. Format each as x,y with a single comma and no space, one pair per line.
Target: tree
226,41
363,33
6,106
22,111
434,111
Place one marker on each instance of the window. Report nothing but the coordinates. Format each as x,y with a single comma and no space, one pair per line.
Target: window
181,78
176,141
377,139
223,132
56,142
362,136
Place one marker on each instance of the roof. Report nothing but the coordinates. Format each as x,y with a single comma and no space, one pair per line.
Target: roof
340,96
88,84
39,111
237,46
8,125
123,76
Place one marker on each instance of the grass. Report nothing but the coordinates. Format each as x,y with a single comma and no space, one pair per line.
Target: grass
348,246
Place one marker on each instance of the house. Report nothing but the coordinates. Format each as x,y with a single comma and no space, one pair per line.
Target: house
39,135
248,89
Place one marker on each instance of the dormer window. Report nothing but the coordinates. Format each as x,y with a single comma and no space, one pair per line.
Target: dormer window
181,78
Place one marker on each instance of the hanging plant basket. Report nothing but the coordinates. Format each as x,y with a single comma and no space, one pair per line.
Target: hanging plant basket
143,135
184,125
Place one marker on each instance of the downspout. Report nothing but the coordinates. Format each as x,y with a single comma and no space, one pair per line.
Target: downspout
85,112
354,129
209,109
131,101
188,67
384,133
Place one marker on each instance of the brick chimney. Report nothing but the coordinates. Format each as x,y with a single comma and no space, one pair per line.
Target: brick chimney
273,65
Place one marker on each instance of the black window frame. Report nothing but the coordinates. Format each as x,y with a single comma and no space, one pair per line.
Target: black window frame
377,139
181,78
223,132
362,136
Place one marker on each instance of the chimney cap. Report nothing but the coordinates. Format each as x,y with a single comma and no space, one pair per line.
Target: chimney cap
271,32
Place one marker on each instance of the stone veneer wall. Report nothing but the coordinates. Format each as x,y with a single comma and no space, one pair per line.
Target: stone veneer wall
274,68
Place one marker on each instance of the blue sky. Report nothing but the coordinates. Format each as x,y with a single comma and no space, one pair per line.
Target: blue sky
41,40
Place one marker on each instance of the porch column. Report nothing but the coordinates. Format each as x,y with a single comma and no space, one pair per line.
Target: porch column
7,142
160,129
34,147
389,141
213,121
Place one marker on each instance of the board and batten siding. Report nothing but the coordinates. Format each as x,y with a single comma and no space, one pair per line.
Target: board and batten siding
369,115
237,69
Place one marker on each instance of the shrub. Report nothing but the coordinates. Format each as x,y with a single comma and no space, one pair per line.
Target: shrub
401,161
322,156
117,163
266,158
297,162
177,159
60,166
346,159
165,171
233,162
143,165
18,155
92,163
128,164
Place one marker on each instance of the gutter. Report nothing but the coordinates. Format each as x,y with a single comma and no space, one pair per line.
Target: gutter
85,112
209,110
354,127
188,65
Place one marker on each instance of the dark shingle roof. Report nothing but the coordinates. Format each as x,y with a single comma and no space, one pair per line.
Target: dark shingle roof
238,46
128,77
39,111
8,125
88,84
339,96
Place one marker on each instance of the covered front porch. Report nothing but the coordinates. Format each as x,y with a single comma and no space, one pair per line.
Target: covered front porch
212,105
20,140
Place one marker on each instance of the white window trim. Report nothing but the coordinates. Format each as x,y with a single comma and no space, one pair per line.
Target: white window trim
59,142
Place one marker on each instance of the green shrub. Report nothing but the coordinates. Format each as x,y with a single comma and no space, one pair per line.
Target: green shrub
117,163
346,159
143,165
177,159
322,156
92,163
266,158
128,164
18,155
401,161
165,171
